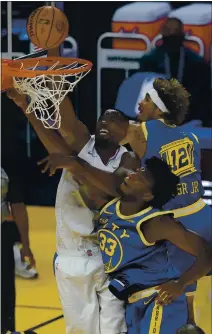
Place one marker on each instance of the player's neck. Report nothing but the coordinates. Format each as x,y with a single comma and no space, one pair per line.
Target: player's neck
130,206
165,121
106,153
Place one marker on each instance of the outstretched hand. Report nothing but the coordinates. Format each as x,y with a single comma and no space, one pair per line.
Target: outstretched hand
19,99
56,161
168,292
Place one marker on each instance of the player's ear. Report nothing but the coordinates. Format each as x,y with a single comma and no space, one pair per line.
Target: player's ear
147,196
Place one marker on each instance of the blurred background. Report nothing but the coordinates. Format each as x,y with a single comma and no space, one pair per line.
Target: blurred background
129,44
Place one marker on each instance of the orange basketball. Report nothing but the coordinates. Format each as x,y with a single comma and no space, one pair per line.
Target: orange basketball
47,27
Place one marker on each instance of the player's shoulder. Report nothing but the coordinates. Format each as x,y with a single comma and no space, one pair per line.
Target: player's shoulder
158,220
153,125
109,209
130,160
155,121
89,144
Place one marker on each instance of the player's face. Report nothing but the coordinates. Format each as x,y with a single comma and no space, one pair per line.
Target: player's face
138,184
111,127
147,109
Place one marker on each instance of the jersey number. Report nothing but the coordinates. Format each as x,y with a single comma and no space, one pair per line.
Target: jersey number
180,156
107,245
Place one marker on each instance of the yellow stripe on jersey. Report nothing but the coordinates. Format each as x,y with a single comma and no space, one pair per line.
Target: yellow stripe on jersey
107,205
144,129
156,319
119,214
195,136
138,226
190,209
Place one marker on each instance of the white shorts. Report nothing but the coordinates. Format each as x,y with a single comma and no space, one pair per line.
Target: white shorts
88,305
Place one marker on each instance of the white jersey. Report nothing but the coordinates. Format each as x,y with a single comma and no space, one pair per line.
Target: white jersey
73,219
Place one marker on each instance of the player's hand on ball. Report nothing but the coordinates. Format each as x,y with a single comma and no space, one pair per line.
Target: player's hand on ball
169,291
19,99
56,161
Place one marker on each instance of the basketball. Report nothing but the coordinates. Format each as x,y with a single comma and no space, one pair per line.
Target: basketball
47,27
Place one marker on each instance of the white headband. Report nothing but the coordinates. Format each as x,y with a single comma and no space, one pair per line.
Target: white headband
157,100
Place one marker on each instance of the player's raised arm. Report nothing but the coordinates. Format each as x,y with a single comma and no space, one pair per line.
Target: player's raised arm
74,132
166,228
52,141
107,182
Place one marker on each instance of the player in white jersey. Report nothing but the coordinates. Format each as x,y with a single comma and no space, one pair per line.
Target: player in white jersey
88,306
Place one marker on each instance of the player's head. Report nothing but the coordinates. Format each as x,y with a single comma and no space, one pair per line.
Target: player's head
154,184
172,35
111,128
168,99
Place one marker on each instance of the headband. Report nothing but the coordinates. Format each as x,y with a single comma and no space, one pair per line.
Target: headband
157,100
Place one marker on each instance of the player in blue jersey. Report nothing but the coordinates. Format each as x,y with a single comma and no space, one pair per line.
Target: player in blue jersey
132,232
132,240
160,113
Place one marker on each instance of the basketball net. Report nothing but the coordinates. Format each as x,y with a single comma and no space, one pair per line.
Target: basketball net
47,88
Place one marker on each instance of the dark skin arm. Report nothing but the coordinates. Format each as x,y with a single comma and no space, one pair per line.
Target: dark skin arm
136,139
107,182
51,140
167,228
74,132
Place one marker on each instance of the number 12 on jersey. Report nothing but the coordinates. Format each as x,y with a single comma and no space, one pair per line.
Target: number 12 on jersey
179,155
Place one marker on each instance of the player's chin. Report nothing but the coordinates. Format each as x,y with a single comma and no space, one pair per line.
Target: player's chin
141,117
102,137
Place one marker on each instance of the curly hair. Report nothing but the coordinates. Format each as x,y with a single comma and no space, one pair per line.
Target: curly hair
175,97
165,182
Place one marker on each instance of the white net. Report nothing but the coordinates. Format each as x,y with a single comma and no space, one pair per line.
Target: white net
46,92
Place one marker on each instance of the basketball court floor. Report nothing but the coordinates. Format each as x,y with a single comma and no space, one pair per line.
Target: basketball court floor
38,304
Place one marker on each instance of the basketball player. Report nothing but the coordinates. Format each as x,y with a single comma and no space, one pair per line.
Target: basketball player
160,113
162,110
132,232
82,283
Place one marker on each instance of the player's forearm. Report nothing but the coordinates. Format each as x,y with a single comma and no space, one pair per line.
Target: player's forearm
49,138
68,121
21,218
68,117
104,181
200,268
136,139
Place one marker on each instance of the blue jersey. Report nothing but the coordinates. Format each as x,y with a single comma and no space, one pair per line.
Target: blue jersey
181,151
126,252
196,218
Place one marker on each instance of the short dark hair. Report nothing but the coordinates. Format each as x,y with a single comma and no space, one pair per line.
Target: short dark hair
165,182
175,97
175,19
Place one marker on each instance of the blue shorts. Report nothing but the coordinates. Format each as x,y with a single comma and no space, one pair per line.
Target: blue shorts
146,317
199,223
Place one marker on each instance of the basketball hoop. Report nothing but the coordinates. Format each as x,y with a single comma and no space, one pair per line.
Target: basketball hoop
6,81
46,81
